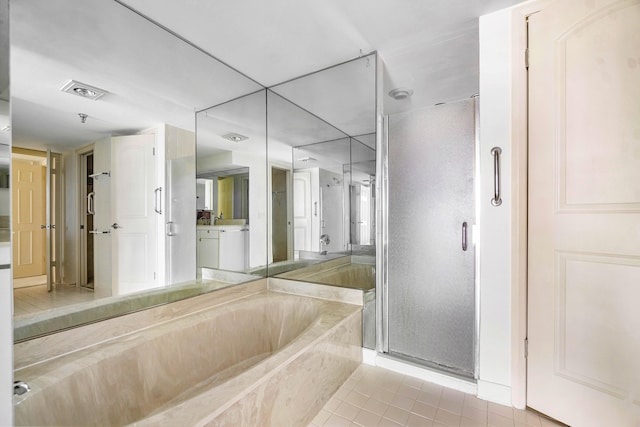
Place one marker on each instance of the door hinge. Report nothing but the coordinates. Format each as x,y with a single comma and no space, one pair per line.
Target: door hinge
526,347
154,275
526,58
154,151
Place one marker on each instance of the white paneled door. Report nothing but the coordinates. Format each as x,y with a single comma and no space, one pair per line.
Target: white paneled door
584,212
302,211
136,210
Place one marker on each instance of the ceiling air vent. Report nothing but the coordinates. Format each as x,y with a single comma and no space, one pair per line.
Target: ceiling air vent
83,90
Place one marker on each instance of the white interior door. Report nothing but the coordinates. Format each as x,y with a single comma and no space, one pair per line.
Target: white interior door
135,212
302,211
584,212
29,241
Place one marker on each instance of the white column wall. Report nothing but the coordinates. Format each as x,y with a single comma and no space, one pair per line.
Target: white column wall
494,381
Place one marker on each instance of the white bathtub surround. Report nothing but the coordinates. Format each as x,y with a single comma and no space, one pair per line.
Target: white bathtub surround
239,356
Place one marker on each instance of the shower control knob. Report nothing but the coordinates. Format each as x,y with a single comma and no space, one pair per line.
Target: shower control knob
115,226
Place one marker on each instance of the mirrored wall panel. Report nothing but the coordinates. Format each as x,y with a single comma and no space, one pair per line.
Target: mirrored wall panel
231,202
103,105
321,131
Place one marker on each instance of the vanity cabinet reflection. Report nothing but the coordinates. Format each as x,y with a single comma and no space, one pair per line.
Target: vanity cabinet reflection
223,247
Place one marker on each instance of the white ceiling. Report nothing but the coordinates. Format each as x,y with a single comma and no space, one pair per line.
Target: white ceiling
430,46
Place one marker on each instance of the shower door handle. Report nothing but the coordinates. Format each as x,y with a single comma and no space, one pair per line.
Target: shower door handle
464,236
495,152
158,200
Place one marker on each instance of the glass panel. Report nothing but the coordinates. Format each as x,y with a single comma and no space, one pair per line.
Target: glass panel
231,164
172,80
431,278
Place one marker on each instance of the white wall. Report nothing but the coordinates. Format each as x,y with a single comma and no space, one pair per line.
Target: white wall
495,222
6,338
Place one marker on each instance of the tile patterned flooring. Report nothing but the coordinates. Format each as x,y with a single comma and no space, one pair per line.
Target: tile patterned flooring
35,299
374,396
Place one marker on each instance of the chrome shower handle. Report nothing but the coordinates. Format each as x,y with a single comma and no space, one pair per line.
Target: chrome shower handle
464,236
495,152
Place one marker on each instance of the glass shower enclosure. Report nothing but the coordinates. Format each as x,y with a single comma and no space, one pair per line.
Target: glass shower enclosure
430,315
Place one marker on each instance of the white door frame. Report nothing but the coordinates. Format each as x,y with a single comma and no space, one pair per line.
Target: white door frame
519,196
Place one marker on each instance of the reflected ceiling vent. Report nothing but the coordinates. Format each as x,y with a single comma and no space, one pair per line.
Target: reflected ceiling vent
83,90
307,159
400,93
235,137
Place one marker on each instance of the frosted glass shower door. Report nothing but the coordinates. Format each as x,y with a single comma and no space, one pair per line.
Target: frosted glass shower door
431,289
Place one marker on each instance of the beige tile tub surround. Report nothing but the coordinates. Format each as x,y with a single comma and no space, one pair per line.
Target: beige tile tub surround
239,356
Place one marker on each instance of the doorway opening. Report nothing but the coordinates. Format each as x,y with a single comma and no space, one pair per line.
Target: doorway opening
87,220
280,214
36,211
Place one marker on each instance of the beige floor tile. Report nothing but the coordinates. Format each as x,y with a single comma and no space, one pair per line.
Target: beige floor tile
424,410
468,422
496,420
356,398
402,402
431,397
383,395
366,418
473,402
398,415
412,382
347,410
475,414
376,406
336,421
408,391
447,418
505,411
386,422
332,404
322,416
526,417
418,421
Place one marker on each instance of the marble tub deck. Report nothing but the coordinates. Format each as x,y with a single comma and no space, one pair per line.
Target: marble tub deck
155,367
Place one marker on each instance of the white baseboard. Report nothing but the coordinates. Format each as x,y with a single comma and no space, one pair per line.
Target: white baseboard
371,357
493,392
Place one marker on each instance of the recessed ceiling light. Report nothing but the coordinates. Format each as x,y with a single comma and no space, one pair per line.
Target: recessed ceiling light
84,90
400,93
235,137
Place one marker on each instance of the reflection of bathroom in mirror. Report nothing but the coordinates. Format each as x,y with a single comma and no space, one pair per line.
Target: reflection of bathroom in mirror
94,264
325,123
231,204
221,209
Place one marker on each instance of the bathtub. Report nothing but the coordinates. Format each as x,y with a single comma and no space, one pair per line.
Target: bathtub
357,272
259,358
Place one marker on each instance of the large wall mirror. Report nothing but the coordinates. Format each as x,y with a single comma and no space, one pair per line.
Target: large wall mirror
93,156
265,181
322,134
